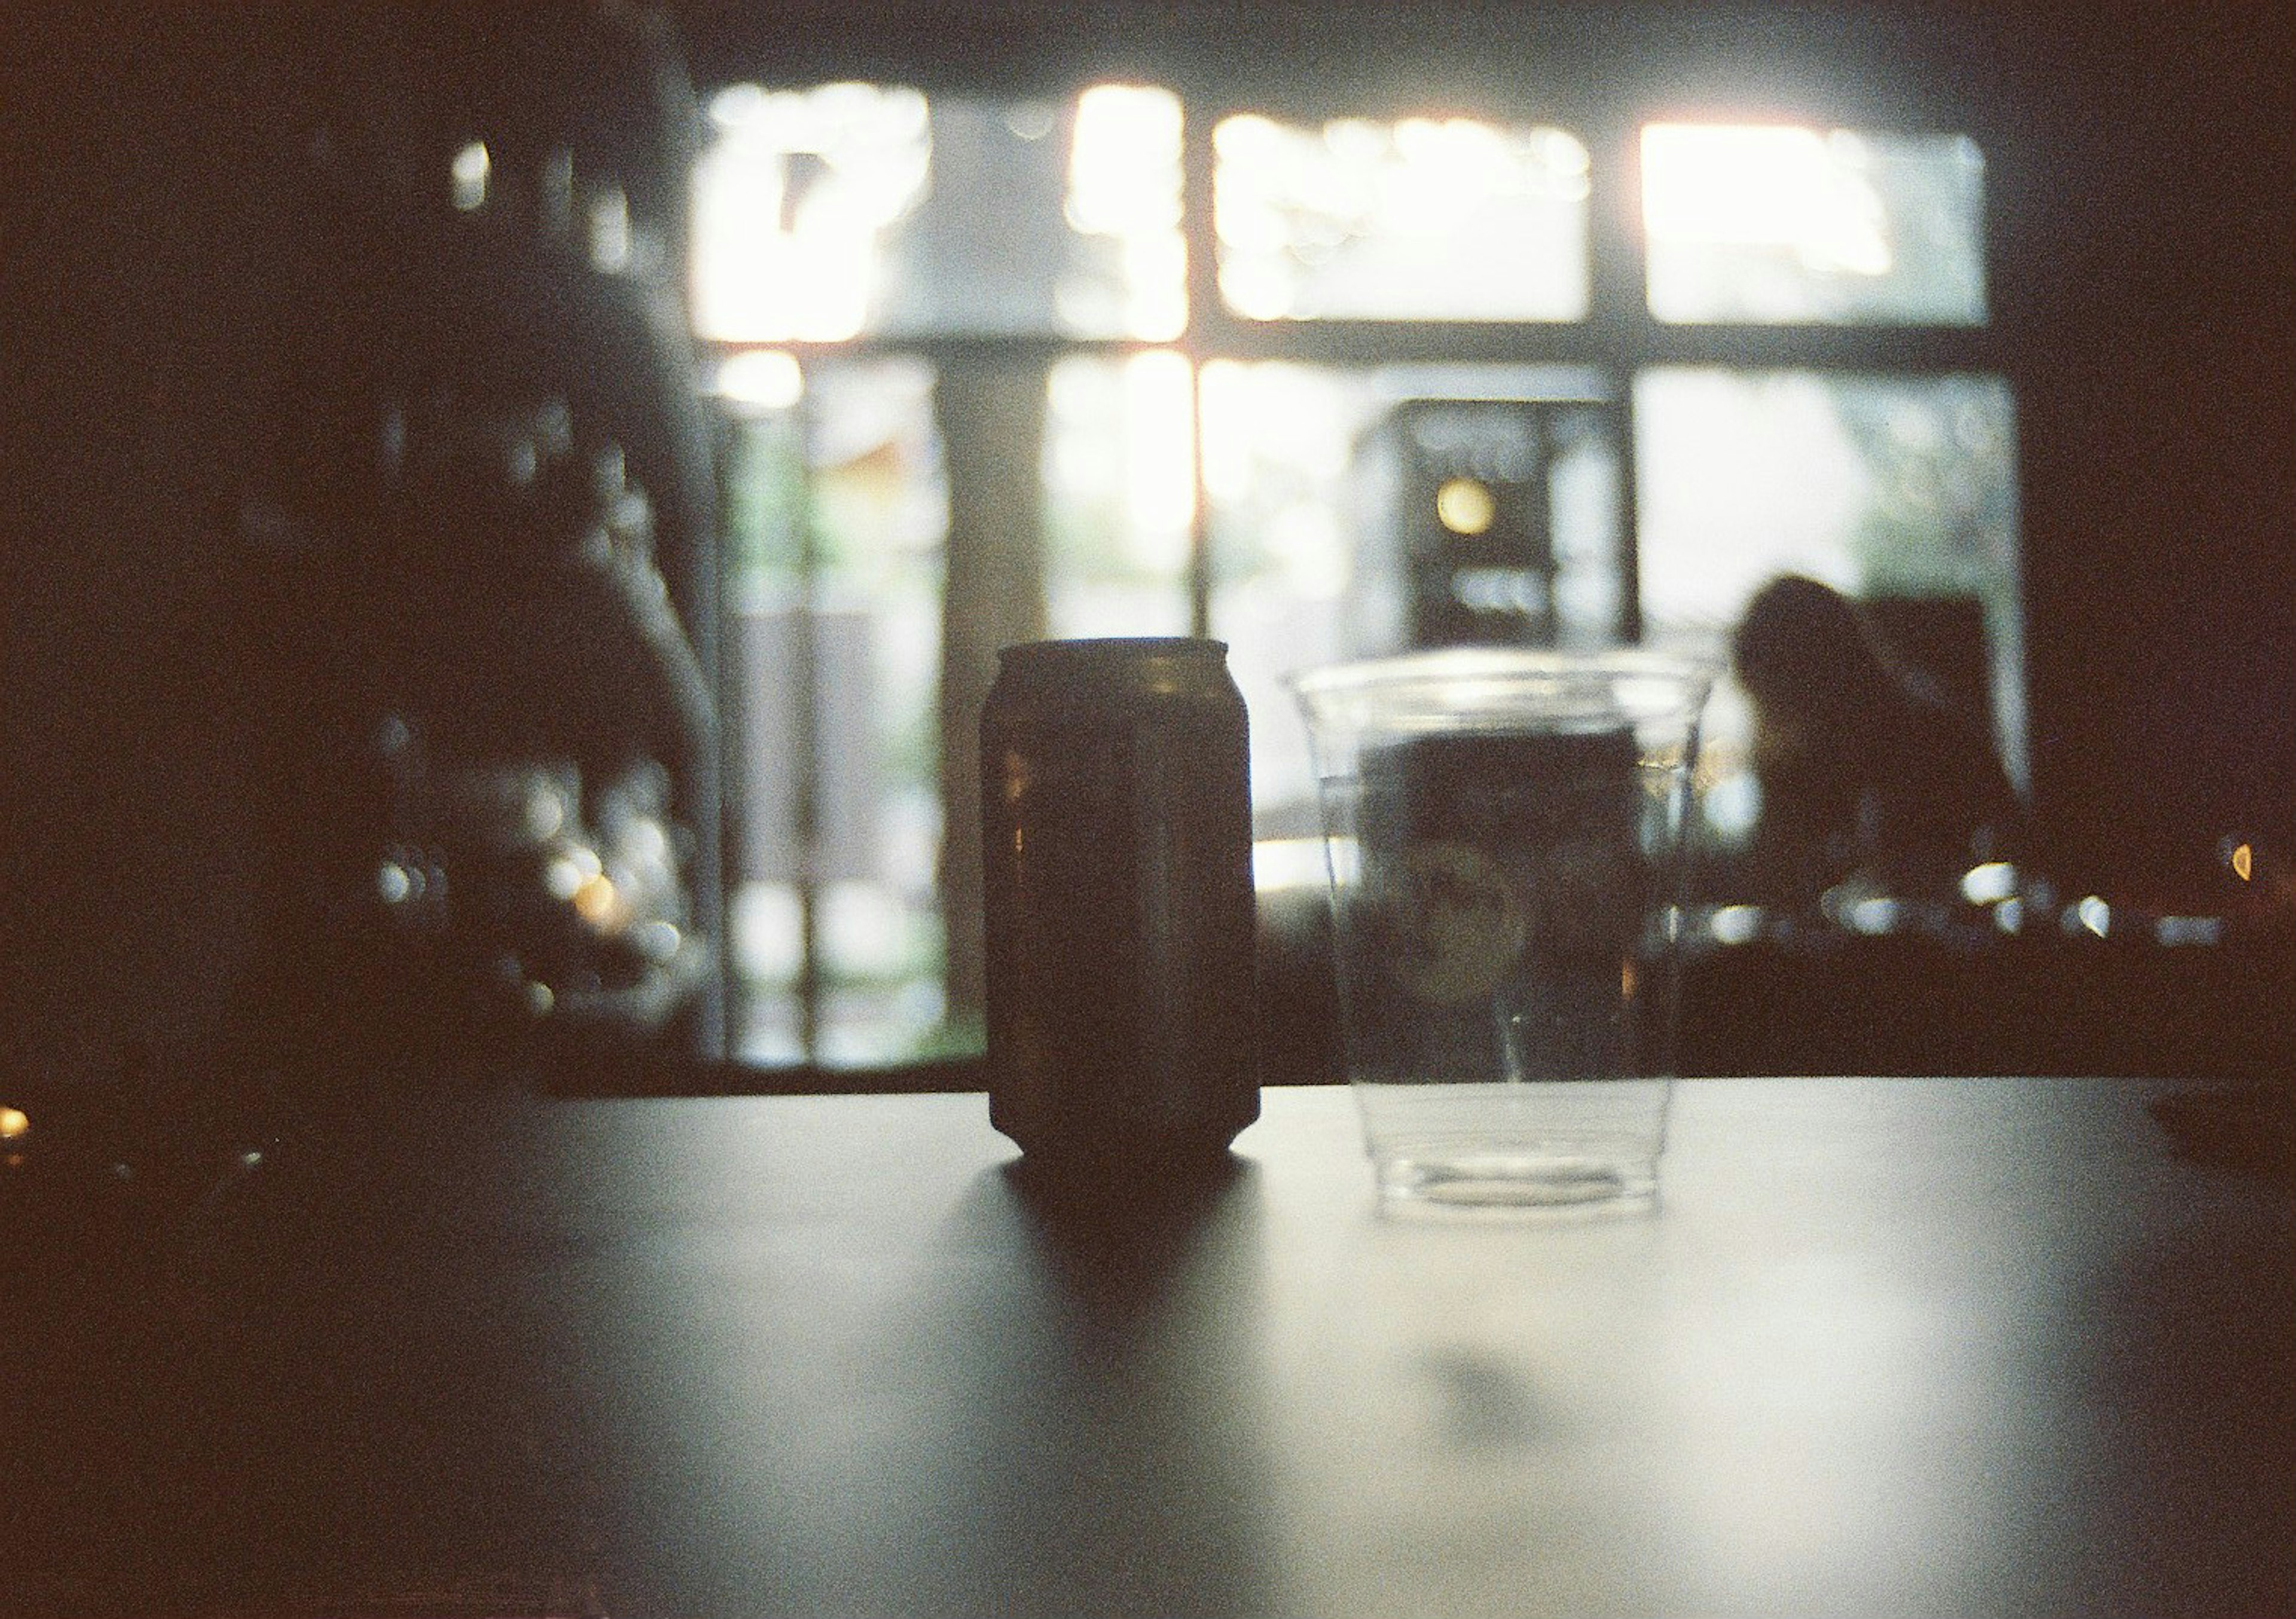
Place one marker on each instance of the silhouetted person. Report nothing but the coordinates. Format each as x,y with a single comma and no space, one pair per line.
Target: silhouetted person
1865,770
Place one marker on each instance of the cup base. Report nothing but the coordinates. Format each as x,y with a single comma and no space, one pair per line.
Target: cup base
1507,1184
1506,1148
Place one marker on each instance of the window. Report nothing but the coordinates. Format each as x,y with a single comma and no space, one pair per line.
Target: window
1320,388
1775,223
1417,218
855,210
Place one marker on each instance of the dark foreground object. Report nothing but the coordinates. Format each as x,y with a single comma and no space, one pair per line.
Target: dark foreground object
1121,927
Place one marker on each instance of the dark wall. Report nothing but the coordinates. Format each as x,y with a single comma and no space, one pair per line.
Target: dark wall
146,277
2145,269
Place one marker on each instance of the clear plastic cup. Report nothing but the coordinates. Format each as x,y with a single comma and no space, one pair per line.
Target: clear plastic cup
1504,830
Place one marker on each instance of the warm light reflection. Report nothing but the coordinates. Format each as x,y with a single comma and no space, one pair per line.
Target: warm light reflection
599,902
1018,775
13,1122
1465,506
2243,862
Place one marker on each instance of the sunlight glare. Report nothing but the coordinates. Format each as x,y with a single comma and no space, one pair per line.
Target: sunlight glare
1765,185
1437,217
1160,462
1124,182
763,379
792,202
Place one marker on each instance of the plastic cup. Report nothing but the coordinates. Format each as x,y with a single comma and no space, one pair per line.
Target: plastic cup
1504,830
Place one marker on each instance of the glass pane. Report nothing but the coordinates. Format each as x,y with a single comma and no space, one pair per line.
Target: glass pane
1901,492
837,523
1120,495
1328,491
841,667
824,214
1777,223
1418,219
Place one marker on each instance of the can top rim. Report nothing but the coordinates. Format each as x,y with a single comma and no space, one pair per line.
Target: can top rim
1111,649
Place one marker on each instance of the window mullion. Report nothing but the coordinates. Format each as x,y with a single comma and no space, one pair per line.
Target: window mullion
1918,350
1618,322
1617,313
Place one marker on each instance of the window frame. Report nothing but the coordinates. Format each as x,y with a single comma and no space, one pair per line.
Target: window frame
1619,338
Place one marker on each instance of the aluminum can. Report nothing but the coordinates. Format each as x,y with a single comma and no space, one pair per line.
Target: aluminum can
1116,826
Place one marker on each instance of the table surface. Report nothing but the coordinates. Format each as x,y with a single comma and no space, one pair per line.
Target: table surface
1886,1346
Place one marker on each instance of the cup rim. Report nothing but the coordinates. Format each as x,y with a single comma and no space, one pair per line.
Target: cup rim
1464,688
1531,662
